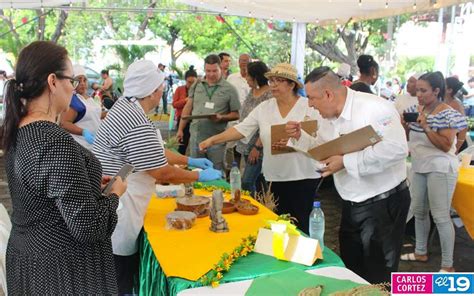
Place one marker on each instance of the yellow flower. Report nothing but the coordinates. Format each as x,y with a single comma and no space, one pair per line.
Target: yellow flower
219,275
215,284
227,266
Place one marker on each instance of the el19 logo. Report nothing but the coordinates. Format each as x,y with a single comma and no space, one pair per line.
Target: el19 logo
453,283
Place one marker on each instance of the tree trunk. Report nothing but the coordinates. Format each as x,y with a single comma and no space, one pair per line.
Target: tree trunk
173,54
10,25
354,43
59,26
141,30
41,24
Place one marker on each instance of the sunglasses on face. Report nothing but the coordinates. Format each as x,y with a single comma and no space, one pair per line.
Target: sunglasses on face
74,81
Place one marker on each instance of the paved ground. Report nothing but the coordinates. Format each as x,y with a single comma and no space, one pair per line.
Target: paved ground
463,252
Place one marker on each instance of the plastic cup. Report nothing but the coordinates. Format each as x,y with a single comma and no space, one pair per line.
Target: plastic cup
466,160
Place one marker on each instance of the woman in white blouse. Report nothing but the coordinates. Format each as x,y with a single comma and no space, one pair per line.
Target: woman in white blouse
292,175
432,143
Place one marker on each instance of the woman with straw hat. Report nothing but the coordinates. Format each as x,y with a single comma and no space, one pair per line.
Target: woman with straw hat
293,177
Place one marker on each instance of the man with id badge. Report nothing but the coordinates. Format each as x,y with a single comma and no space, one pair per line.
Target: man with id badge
212,102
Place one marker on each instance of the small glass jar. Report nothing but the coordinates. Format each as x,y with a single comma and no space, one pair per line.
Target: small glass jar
188,189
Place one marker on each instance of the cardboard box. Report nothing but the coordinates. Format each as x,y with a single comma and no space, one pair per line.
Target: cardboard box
295,248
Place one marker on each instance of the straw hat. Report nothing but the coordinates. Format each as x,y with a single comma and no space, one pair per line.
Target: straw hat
286,71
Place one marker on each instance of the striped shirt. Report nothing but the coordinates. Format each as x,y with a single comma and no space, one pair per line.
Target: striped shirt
448,118
128,136
425,156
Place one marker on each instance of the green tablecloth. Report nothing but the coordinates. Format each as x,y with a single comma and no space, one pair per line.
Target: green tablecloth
292,281
153,281
219,183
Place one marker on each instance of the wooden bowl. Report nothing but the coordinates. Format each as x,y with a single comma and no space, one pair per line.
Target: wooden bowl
242,200
200,205
228,208
247,209
180,220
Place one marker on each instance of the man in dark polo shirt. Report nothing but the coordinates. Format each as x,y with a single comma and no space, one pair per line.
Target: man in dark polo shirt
213,95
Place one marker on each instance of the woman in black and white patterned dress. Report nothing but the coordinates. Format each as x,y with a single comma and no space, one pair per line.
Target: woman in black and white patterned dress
61,224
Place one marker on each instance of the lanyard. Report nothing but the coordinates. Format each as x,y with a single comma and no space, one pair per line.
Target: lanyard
210,94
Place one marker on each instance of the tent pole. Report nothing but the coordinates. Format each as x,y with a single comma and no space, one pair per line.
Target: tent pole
298,41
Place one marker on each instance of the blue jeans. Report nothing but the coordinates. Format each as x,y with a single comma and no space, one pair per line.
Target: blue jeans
434,192
251,174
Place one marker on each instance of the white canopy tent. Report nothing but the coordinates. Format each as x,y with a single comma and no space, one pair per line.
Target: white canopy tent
22,4
322,12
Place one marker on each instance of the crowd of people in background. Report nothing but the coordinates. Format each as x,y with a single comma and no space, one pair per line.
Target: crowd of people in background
48,102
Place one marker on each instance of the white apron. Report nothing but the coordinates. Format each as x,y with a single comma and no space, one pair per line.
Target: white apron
134,202
90,121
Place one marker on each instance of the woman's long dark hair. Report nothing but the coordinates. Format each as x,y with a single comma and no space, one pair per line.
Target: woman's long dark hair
366,62
190,73
35,63
454,84
257,71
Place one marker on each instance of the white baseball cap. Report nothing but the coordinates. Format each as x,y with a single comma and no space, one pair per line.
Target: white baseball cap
344,70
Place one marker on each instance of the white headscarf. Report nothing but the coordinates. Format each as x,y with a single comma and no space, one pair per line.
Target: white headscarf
142,79
79,70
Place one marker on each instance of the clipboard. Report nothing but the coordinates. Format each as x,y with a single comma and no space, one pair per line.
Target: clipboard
200,116
278,133
348,143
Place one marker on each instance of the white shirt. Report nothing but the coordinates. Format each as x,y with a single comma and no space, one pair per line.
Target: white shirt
282,167
2,87
376,169
240,84
406,103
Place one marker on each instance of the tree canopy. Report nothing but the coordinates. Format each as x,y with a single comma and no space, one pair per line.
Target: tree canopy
269,41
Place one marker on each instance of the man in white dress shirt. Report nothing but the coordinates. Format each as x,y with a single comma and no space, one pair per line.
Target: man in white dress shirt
239,80
408,102
371,182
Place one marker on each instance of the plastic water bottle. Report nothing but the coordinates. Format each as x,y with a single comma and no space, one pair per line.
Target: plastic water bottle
235,182
316,224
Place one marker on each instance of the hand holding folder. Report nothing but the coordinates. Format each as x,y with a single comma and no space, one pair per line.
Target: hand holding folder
278,133
348,143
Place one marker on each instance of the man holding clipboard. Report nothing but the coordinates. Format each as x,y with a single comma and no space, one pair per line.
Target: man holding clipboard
371,181
211,104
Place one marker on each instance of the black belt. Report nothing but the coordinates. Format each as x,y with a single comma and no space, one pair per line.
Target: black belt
381,196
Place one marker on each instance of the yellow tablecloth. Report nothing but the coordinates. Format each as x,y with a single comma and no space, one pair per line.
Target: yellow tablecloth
192,253
463,199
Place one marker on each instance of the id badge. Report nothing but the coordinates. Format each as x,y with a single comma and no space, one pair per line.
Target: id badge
209,105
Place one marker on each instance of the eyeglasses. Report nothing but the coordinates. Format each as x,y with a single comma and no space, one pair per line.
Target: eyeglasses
275,81
74,81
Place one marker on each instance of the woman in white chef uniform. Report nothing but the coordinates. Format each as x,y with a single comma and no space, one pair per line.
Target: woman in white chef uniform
83,117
